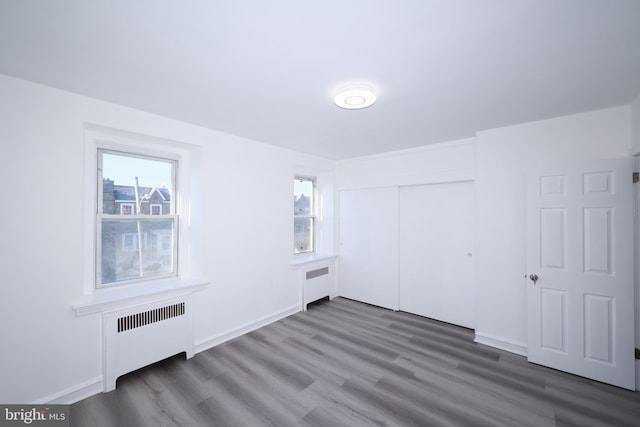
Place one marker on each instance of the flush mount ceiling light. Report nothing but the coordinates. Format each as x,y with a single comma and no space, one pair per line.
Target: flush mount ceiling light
355,97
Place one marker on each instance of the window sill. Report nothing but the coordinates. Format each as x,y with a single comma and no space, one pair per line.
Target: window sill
115,299
305,260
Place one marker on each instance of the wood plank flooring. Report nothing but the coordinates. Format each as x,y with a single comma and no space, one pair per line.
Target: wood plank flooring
344,363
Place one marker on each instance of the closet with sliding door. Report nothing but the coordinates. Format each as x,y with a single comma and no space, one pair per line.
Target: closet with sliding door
410,248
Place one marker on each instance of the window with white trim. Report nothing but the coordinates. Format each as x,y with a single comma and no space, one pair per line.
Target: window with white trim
304,217
126,209
134,243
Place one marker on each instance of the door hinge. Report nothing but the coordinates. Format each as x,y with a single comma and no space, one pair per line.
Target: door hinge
636,177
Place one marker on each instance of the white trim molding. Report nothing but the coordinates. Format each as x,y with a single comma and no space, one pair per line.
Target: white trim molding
249,327
501,343
306,260
120,298
73,394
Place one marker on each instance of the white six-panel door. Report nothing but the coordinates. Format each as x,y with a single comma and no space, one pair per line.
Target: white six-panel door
580,250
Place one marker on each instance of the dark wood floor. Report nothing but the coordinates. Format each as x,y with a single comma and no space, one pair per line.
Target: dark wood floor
344,363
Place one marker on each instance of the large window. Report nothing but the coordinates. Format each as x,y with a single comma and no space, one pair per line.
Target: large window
136,220
304,219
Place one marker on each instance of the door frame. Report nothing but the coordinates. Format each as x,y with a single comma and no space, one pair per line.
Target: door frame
636,273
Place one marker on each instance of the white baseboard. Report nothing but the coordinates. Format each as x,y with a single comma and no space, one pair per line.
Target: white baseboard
501,343
95,386
73,394
229,335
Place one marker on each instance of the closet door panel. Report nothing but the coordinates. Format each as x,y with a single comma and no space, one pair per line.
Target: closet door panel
436,266
369,246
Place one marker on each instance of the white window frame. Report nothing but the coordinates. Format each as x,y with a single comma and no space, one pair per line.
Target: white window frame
136,216
152,205
312,213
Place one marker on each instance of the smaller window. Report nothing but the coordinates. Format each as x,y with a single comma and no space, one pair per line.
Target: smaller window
126,209
156,209
304,218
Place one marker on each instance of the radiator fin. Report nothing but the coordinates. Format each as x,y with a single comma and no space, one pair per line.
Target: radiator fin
137,320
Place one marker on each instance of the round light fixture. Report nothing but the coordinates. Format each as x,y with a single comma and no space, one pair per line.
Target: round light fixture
355,97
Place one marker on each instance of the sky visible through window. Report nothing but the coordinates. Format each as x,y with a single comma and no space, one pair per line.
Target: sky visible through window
123,170
302,187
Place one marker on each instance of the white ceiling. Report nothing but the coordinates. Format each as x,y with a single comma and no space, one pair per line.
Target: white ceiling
267,70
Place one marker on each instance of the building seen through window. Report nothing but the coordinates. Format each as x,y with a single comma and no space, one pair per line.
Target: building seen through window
137,222
303,214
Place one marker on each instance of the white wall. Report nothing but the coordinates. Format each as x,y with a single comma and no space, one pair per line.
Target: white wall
447,162
47,353
502,158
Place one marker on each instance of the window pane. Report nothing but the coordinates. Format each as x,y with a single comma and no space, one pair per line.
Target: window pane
124,177
302,196
127,242
303,235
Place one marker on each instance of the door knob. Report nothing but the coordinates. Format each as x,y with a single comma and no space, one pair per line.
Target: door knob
534,278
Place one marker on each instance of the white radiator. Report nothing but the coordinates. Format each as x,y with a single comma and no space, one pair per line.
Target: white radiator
145,334
317,282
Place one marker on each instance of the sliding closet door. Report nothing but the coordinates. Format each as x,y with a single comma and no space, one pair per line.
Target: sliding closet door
369,246
436,265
